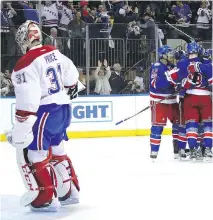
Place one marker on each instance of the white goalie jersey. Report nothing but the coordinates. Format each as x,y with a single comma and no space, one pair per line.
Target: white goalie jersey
40,78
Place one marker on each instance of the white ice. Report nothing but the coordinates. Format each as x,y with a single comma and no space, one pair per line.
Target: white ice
118,181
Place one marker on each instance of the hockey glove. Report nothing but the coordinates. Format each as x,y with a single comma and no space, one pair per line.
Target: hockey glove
172,76
21,136
73,92
194,67
188,83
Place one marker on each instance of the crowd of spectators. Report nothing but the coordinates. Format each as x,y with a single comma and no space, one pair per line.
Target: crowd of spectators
64,26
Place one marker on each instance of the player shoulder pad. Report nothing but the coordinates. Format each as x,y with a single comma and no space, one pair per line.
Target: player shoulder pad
31,55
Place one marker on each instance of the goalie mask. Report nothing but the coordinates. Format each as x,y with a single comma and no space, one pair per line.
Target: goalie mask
26,34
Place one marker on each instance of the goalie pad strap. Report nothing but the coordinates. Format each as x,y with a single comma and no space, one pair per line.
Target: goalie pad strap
67,176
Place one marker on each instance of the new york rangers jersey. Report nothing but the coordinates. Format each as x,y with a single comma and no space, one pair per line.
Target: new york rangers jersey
40,76
206,68
201,87
50,15
159,86
66,17
182,12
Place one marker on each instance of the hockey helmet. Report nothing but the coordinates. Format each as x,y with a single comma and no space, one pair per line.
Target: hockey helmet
27,33
166,52
193,47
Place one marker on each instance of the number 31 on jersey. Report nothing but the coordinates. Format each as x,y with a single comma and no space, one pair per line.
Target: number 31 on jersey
54,76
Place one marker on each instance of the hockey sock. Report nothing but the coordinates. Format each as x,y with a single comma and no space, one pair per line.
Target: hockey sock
155,137
207,135
182,139
192,134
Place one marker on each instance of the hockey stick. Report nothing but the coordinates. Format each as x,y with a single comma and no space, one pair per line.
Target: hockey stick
191,38
168,97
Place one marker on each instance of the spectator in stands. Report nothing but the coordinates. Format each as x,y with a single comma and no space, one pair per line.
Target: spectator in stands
182,14
102,75
18,17
49,16
84,8
13,16
103,21
7,88
203,21
66,14
53,40
119,29
116,5
138,83
149,11
150,31
92,19
117,81
77,26
76,45
29,12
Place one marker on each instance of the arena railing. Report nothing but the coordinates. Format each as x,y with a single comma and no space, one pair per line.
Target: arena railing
85,52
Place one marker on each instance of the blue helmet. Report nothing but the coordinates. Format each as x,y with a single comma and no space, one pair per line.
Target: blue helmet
193,47
164,50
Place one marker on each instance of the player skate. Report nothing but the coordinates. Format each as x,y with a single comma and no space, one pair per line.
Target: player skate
153,155
43,114
182,155
196,155
208,155
176,150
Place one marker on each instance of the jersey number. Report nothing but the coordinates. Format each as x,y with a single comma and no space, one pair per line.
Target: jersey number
199,79
52,75
21,78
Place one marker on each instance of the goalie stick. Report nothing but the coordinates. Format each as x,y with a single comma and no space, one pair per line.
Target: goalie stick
149,106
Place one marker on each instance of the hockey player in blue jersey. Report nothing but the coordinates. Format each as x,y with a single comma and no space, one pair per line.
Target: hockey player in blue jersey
181,58
160,89
197,102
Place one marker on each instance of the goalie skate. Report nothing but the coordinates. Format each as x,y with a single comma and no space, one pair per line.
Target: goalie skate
48,207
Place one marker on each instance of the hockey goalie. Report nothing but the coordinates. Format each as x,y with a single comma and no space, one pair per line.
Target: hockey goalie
45,82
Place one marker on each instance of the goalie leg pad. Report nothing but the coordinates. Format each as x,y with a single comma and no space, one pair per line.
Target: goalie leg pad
68,192
45,177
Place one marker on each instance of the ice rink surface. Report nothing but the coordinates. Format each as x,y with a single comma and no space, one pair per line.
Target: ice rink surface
119,182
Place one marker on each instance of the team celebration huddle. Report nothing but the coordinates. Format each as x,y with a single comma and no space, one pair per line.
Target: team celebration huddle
188,79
